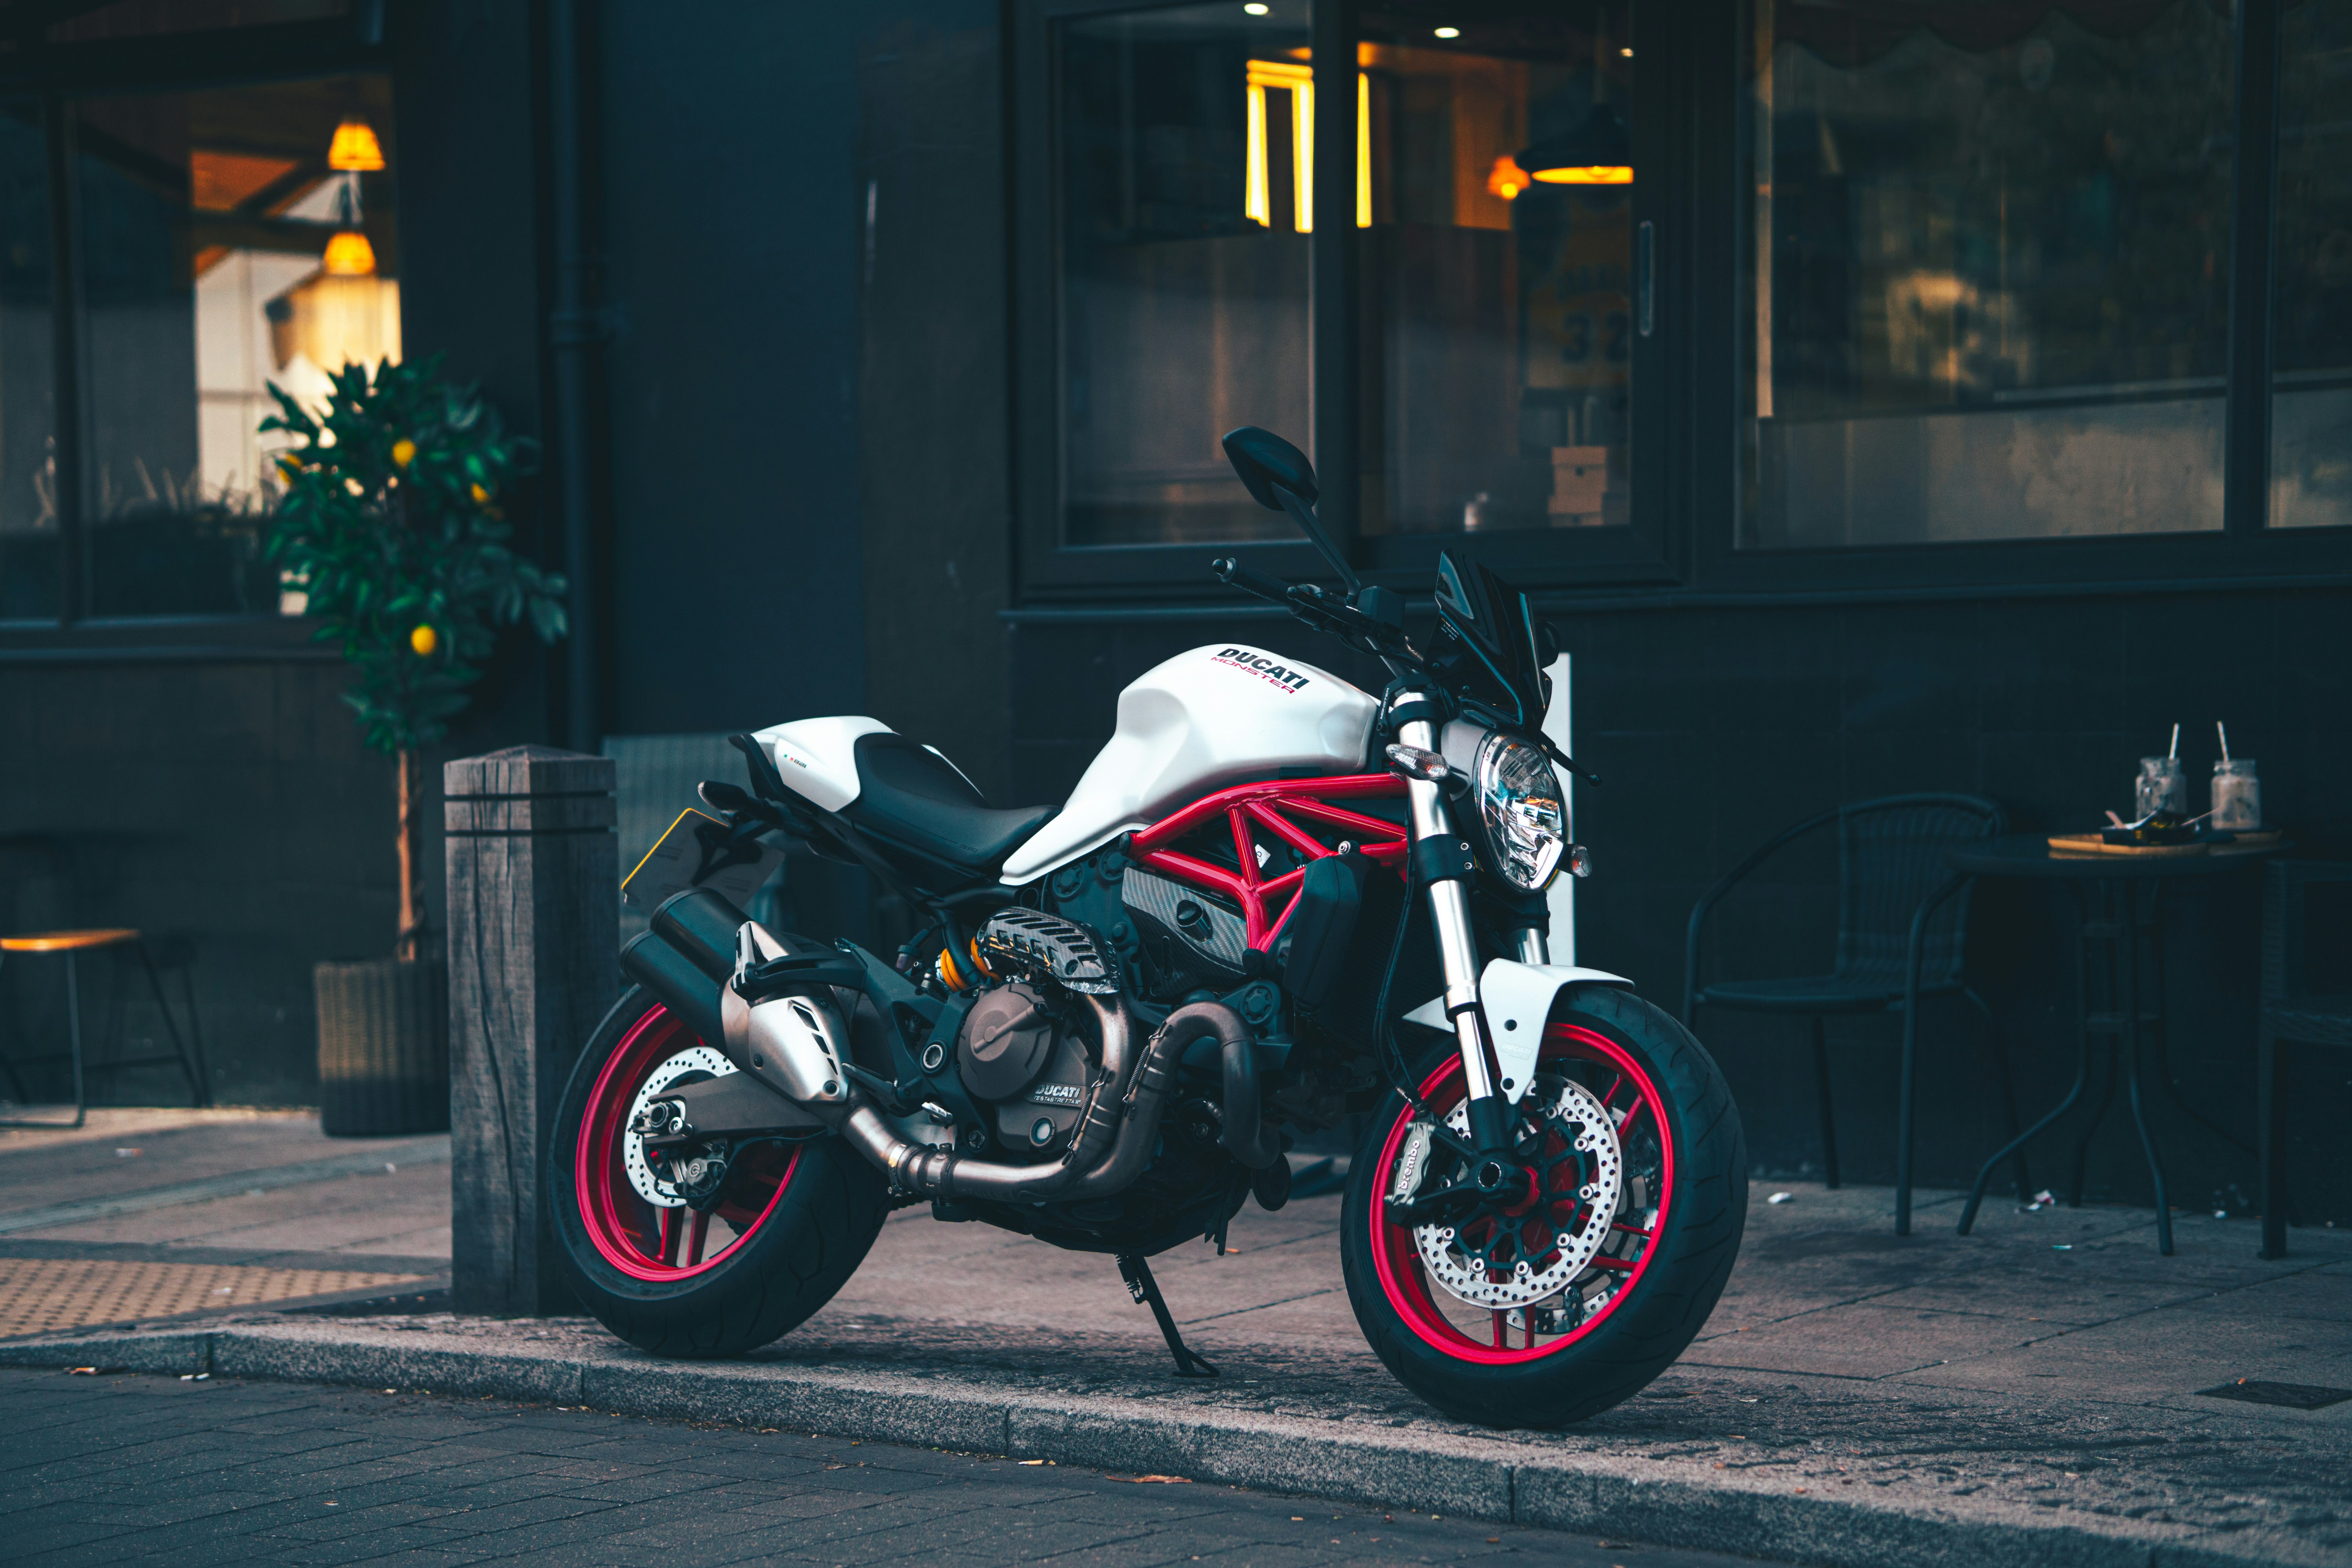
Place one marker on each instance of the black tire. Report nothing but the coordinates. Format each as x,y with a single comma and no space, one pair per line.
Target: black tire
783,1268
1667,1301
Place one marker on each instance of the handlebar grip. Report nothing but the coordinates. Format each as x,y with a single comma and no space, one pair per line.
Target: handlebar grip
1229,571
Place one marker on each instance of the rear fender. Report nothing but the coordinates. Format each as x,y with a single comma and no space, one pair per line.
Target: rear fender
1518,999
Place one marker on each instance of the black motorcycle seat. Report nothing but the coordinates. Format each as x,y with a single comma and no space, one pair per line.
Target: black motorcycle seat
915,798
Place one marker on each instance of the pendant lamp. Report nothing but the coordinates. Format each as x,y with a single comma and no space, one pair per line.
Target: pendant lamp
355,149
1600,152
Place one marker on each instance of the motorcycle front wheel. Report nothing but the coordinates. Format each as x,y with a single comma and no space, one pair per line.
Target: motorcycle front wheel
1570,1292
785,1229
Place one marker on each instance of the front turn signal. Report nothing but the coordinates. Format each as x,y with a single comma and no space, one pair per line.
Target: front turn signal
1413,762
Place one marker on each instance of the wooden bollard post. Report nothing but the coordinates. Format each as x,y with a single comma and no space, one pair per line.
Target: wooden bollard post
534,939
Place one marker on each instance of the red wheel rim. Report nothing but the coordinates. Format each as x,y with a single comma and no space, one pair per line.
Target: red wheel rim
1628,1092
651,1241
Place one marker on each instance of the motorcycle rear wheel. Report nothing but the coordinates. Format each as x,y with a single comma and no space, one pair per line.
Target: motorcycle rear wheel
791,1223
1588,1335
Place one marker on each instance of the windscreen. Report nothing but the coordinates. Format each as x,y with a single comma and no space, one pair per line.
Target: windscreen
1494,625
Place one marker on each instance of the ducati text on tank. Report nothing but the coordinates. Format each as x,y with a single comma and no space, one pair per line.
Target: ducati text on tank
1274,902
1245,659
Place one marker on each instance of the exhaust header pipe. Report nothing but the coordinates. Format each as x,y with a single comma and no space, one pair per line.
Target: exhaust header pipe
1123,1116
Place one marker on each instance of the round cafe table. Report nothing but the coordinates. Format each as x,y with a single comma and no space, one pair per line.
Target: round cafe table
2121,901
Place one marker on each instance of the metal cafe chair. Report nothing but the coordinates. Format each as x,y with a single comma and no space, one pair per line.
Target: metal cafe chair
69,944
2294,1010
1902,938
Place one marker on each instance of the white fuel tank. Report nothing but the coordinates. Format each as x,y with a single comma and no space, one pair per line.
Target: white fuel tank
1204,719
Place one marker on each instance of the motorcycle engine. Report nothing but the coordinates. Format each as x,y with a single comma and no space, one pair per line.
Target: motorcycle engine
1019,1054
1026,1050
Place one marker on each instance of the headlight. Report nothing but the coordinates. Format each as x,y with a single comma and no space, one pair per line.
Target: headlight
1520,800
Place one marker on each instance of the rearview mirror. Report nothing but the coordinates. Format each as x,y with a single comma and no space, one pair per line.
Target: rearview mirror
1263,460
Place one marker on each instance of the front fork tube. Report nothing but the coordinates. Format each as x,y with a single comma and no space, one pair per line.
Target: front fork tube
1457,952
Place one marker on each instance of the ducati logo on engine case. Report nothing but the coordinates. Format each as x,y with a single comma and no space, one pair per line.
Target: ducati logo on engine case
1246,658
1056,1094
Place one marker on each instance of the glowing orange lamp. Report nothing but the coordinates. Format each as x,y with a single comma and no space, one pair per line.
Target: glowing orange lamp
1597,152
349,254
355,149
1508,179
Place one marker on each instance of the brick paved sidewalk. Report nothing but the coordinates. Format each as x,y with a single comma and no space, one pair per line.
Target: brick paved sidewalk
2050,1387
131,1469
152,1215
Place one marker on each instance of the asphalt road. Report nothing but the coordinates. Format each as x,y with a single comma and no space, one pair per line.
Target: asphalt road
121,1469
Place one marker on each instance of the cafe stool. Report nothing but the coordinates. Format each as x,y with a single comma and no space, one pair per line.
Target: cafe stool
70,944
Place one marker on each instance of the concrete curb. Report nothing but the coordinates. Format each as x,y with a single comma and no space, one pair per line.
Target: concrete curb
1664,1501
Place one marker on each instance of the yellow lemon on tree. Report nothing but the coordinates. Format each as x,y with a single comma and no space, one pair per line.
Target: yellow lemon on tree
424,639
480,495
403,452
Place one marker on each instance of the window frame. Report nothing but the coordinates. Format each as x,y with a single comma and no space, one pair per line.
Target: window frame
1050,570
2243,551
1687,431
59,75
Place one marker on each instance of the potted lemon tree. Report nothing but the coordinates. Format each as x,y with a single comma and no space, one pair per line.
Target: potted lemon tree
391,527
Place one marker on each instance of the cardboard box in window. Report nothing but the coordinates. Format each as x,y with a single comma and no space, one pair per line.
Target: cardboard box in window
1579,476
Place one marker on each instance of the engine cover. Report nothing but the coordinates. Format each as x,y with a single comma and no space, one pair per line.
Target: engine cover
1018,1054
1007,1041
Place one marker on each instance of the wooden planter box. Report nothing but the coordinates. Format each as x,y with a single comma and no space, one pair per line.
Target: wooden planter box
383,1047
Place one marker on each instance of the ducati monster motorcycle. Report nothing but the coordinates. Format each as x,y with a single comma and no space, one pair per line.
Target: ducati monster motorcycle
1273,899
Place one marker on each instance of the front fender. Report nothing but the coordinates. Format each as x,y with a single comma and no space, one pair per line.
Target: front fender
1517,999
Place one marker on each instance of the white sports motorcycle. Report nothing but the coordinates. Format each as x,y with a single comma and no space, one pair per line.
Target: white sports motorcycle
1116,1006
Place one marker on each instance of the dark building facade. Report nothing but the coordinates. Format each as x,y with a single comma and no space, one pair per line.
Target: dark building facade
1878,396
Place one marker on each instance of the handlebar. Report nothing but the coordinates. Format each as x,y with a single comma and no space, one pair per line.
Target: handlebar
1324,612
1233,572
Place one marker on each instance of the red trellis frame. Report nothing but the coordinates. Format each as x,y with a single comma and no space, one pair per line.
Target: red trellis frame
1278,807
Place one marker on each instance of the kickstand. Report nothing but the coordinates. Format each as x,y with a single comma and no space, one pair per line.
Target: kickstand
1146,1289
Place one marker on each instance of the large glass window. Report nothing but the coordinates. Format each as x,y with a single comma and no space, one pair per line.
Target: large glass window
229,240
1495,203
1987,270
2311,407
1185,195
219,243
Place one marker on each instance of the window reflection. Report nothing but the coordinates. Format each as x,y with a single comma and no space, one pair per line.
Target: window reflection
1184,286
2311,406
147,18
1498,341
28,499
1987,270
224,250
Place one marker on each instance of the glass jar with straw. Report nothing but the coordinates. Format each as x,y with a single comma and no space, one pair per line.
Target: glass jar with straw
2237,792
2161,785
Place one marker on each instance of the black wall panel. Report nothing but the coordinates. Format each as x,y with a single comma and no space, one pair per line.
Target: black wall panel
730,222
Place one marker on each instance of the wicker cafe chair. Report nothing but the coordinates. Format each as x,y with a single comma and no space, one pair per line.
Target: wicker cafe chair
1902,938
2297,1009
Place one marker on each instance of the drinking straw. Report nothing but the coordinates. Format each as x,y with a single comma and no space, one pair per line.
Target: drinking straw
2224,731
2174,755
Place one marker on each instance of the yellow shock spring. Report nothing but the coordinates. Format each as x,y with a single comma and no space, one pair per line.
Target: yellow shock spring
964,974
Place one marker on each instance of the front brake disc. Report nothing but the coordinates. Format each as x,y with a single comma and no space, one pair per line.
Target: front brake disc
1487,1259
